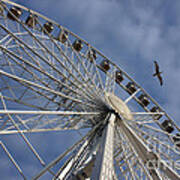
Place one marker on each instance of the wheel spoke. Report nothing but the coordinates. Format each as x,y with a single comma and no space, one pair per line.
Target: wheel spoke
61,95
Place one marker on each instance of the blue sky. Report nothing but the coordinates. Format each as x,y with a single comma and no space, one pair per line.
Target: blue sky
131,33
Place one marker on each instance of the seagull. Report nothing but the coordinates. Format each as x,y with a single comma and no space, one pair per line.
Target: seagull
158,73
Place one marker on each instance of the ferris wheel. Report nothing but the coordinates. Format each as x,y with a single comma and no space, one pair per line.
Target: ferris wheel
51,80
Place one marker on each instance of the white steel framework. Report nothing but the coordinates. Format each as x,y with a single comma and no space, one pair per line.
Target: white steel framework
51,80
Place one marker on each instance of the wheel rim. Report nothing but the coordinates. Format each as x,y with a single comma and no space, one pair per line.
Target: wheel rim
48,85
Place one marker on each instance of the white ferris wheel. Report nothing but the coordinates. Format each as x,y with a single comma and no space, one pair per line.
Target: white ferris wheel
52,81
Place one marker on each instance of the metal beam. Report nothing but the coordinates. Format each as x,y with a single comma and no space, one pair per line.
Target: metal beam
12,160
139,147
48,112
103,168
61,156
146,155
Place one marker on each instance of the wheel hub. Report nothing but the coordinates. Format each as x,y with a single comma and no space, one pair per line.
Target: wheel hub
118,106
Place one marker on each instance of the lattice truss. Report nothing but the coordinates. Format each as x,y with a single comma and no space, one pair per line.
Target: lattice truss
51,79
127,162
40,73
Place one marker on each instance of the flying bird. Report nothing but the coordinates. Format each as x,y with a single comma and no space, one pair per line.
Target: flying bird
158,73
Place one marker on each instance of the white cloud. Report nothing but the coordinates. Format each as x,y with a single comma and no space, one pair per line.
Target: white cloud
123,30
133,33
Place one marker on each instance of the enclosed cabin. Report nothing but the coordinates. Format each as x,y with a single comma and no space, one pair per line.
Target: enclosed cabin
131,87
156,109
119,77
176,139
47,27
144,100
63,36
167,126
14,13
92,55
105,65
31,21
77,45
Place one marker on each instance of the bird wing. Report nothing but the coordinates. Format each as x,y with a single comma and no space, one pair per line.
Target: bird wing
160,80
156,66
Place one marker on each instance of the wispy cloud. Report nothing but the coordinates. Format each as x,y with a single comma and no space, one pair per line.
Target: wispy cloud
133,33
